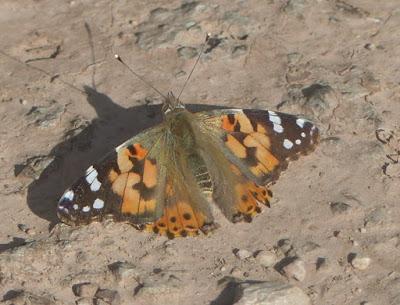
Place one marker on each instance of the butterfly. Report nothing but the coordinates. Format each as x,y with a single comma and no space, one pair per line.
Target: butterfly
166,178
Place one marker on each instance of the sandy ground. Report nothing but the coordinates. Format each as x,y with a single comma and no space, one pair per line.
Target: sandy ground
65,102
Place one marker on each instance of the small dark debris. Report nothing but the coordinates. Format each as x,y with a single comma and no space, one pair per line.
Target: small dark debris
339,207
212,43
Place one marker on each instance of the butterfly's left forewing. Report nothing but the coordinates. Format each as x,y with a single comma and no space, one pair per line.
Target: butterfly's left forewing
125,184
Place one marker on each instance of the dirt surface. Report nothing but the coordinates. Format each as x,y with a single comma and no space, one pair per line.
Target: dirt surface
65,102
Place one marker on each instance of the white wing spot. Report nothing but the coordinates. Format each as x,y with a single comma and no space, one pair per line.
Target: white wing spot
271,113
298,141
75,206
287,144
95,186
300,122
98,204
91,176
275,119
86,208
278,128
303,134
69,195
89,170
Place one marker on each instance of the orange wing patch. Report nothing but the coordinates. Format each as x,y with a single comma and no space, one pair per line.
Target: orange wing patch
179,217
249,195
250,142
178,220
236,122
136,182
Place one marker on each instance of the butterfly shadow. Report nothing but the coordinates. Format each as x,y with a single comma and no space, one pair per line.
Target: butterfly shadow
114,125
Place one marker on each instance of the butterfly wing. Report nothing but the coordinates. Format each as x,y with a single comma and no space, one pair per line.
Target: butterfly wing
127,184
251,148
147,182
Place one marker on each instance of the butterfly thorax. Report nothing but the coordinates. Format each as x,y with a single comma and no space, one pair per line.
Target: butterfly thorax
179,125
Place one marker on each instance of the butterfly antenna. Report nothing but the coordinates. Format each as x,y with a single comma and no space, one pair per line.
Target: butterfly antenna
117,57
195,64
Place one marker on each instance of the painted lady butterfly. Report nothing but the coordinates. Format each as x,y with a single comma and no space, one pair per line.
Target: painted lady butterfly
164,178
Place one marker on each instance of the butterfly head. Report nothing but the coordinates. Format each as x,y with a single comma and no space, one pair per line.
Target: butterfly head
171,103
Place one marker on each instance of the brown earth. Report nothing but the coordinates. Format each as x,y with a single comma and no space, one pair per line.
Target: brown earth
65,102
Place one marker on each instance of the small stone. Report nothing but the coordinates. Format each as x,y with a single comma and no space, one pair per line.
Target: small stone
370,46
190,24
266,258
187,52
375,217
336,233
294,58
46,116
321,264
23,227
360,262
339,207
363,230
243,254
160,287
85,290
20,297
286,247
309,246
85,301
296,270
33,167
110,296
101,302
124,271
270,293
239,50
236,272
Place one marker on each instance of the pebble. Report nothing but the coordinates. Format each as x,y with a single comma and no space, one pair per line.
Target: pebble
266,258
243,254
270,293
236,272
45,116
109,296
239,50
296,270
375,217
361,262
159,288
187,52
85,290
84,301
124,271
321,264
33,166
20,297
285,246
339,207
